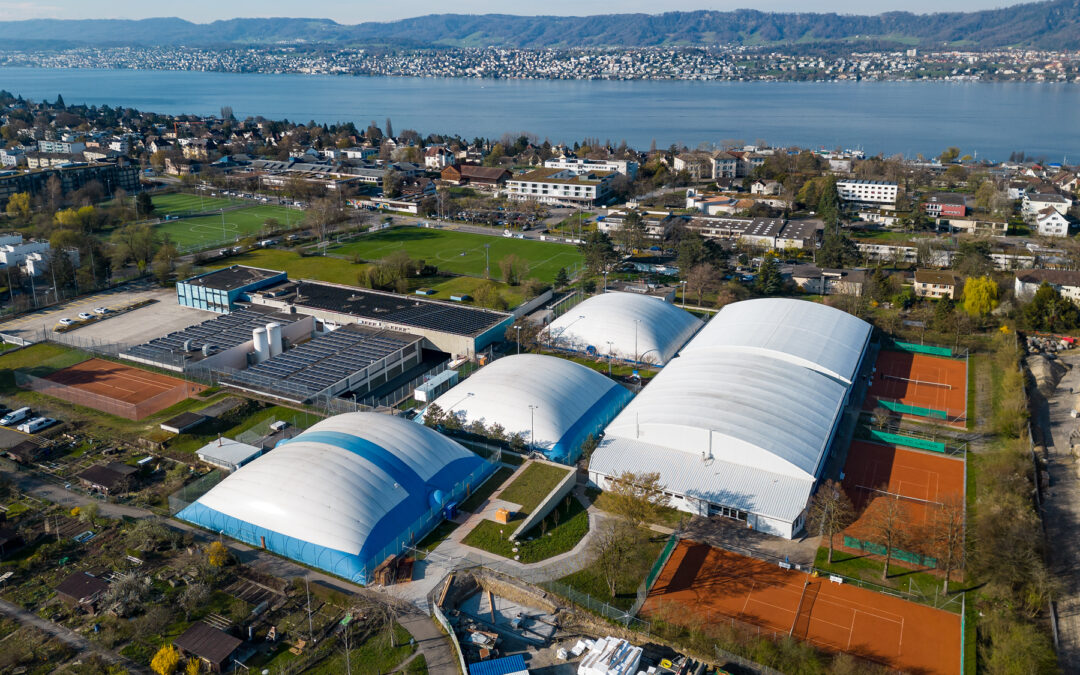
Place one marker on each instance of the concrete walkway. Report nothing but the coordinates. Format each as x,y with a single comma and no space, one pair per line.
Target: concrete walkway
68,636
430,640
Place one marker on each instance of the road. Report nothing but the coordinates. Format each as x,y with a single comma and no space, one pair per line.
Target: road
67,636
1061,509
431,642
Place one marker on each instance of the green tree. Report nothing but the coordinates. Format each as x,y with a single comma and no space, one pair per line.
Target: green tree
493,157
837,251
144,205
134,243
828,206
980,296
561,278
631,235
973,258
513,269
692,251
165,261
637,497
768,280
1049,310
950,154
18,205
598,251
61,269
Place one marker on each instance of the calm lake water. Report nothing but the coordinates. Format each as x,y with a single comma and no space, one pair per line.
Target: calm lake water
991,120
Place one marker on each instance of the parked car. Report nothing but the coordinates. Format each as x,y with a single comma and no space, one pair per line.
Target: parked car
16,416
35,425
101,310
65,322
85,315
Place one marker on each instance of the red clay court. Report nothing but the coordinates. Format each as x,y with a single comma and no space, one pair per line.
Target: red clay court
115,388
920,380
700,583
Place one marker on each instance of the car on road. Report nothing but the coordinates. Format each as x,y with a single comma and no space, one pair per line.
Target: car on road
85,315
36,424
65,321
101,310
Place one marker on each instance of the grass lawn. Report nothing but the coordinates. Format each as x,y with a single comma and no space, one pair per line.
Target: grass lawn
438,535
534,483
463,252
600,365
974,363
209,431
179,203
573,525
480,494
855,566
40,359
590,580
238,224
371,657
341,271
417,666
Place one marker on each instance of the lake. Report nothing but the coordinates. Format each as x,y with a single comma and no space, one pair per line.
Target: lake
985,119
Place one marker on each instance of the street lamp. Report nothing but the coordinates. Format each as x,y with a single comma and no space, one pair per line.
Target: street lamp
518,329
683,284
609,343
487,261
532,425
636,322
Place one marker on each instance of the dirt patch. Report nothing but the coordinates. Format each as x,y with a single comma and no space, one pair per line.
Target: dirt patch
1046,372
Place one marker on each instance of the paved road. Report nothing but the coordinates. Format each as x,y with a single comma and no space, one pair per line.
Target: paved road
67,636
1061,510
431,642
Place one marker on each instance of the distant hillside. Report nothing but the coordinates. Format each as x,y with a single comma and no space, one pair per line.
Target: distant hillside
1050,25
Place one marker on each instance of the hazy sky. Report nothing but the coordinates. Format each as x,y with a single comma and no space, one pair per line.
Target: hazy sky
356,11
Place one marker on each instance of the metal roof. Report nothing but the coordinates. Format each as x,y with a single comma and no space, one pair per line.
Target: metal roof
507,665
802,333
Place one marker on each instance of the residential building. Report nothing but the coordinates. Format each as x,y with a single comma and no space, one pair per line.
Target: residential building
360,153
72,177
1035,202
438,157
814,279
1051,223
562,186
725,165
937,284
61,147
12,157
699,165
868,191
475,175
41,160
1066,282
765,187
626,167
945,205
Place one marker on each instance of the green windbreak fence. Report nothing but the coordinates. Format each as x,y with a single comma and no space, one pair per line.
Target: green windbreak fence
906,409
922,349
908,441
660,562
897,554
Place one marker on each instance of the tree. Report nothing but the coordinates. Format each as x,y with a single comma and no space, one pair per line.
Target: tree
165,260
768,280
166,660
980,296
61,269
218,554
392,181
134,243
828,206
637,497
888,523
947,536
950,154
144,205
487,295
598,251
433,416
837,251
561,278
631,234
193,666
613,545
513,269
89,513
193,597
830,512
18,205
692,250
496,154
973,258
389,128
701,279
1049,310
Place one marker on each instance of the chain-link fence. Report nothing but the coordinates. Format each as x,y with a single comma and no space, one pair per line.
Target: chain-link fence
190,493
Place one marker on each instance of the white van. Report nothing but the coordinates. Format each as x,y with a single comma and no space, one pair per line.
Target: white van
36,424
15,416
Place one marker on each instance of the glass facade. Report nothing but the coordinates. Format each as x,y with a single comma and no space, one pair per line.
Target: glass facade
200,297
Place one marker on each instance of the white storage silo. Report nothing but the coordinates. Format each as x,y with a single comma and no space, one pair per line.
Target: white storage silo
262,344
273,332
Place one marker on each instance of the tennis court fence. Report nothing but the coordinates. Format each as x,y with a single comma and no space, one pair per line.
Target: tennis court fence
106,404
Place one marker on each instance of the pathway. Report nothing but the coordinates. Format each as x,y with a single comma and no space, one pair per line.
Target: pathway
1061,509
67,636
431,642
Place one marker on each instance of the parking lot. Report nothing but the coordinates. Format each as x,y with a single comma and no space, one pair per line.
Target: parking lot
136,326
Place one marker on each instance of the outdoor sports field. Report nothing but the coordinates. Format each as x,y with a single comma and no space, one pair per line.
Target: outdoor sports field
702,585
115,388
210,230
921,380
463,252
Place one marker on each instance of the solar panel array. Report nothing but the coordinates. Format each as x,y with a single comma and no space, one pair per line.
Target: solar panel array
402,310
223,332
311,368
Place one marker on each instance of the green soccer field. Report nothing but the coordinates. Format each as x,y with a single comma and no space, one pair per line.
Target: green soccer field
178,204
463,252
237,225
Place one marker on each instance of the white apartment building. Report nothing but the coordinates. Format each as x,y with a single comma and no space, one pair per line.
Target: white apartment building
438,157
14,252
1066,282
61,147
561,186
868,191
12,157
1034,203
624,166
1051,223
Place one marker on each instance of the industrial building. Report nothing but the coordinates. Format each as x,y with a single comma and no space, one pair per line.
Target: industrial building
555,404
219,290
623,326
344,495
741,424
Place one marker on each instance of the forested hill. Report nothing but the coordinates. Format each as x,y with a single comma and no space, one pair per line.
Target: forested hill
1048,25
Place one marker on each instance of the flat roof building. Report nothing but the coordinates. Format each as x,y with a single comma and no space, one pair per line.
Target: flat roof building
227,454
219,290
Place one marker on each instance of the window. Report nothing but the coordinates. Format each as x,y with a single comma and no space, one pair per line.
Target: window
727,512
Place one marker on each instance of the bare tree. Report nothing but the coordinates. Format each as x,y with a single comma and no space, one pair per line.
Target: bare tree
613,545
830,512
702,279
947,535
888,524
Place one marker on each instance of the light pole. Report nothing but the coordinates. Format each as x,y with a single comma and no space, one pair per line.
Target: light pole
609,358
311,633
636,322
683,284
518,329
487,261
224,237
532,426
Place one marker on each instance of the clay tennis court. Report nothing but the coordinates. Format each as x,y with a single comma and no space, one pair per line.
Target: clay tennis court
701,584
115,388
920,380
